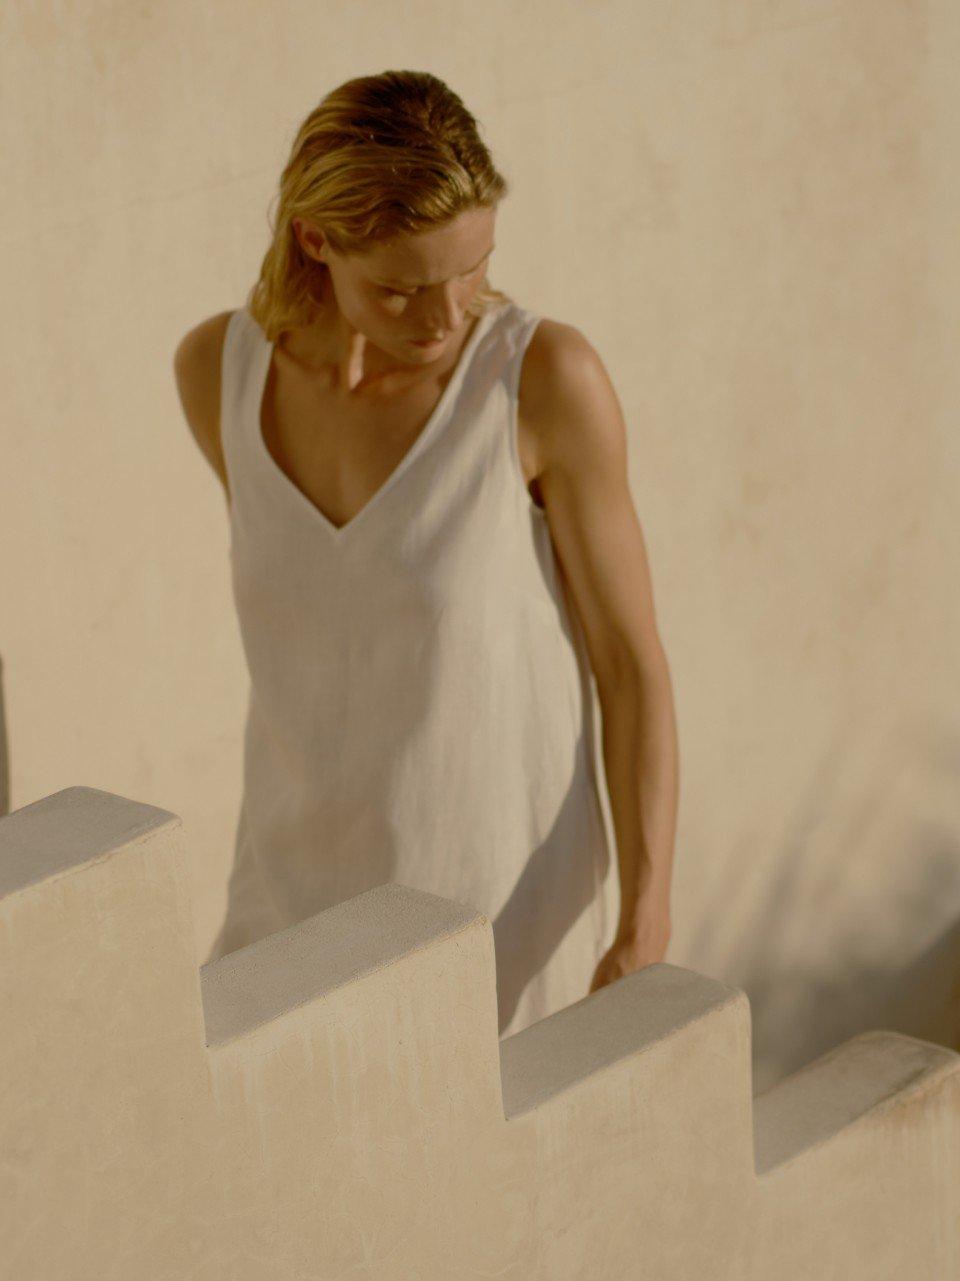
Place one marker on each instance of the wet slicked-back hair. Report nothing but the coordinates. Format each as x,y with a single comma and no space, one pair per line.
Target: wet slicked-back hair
392,154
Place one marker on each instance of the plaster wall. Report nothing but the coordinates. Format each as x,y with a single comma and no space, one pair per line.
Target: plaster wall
749,207
333,1101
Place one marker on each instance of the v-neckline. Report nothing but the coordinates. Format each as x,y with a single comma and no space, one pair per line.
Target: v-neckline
339,532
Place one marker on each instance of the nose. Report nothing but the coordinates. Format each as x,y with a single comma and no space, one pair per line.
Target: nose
449,318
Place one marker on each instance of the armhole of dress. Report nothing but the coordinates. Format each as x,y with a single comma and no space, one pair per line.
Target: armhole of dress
513,394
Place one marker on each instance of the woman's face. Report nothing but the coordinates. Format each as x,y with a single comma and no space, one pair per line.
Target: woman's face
414,287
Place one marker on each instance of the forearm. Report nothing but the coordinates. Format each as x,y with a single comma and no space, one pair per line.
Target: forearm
641,764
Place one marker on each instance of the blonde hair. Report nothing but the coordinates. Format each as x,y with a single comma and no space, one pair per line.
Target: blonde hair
391,154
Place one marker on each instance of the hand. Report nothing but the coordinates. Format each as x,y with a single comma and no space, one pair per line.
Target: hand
643,944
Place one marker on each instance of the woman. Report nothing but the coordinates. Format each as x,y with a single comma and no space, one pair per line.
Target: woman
433,551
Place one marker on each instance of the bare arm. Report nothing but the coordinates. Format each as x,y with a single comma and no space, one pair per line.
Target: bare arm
582,453
196,367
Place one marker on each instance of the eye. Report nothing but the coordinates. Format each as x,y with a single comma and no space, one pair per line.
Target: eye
401,293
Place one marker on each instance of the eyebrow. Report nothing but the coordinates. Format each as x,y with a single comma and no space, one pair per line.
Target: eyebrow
404,284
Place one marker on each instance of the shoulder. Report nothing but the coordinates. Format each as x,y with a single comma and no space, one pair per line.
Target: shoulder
196,365
555,349
197,355
569,405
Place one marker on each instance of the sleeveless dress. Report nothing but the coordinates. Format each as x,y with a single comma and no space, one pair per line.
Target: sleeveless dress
421,704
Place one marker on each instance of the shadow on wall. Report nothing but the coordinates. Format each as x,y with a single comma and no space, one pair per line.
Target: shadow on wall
855,917
4,756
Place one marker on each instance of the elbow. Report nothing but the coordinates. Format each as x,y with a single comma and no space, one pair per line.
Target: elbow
632,668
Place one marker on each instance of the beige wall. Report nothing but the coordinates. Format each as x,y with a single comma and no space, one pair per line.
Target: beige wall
748,206
333,1100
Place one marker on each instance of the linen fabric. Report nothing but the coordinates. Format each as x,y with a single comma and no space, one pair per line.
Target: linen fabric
421,705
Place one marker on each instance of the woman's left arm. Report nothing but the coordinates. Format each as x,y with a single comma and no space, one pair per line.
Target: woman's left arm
581,443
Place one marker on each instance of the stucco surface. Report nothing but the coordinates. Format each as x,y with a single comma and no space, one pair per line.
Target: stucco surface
333,1101
749,207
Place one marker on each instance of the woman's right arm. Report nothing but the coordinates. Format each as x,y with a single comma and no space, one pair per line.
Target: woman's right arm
196,366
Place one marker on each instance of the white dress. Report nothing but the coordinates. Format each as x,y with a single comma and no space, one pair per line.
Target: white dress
421,705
